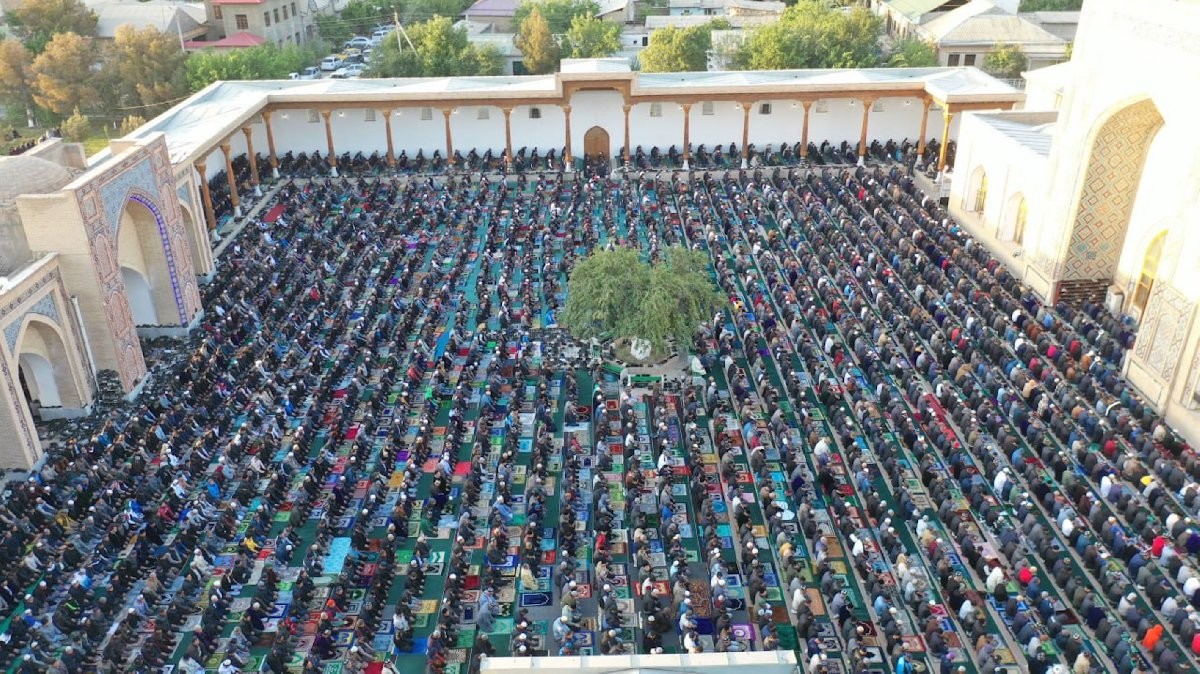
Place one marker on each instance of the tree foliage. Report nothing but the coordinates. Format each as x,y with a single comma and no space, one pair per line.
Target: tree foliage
613,293
1051,5
814,35
1007,61
557,13
674,50
539,51
441,50
589,37
38,21
265,62
77,127
147,67
63,74
131,123
911,52
15,75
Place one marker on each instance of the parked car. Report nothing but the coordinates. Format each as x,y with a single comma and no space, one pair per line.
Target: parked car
331,63
357,42
350,72
352,58
309,73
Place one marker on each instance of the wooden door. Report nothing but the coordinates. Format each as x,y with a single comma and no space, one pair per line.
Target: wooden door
595,142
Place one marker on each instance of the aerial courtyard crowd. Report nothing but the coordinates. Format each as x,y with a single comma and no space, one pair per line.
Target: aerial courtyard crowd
382,451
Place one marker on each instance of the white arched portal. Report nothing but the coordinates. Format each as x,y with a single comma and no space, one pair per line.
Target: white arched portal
38,374
141,300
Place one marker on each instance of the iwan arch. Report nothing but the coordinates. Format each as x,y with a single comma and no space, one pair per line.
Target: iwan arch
1102,169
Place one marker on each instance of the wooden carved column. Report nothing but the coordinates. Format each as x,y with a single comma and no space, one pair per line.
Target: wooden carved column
687,140
508,153
387,128
862,135
746,132
210,216
446,112
273,158
253,160
233,188
626,108
947,118
329,141
924,123
567,155
804,130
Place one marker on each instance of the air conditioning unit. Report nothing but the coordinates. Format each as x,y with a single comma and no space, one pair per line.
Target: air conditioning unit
1114,300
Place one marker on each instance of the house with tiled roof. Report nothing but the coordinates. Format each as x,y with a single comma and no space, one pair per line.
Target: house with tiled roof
237,24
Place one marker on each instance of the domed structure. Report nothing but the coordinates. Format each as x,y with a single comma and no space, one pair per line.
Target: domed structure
30,175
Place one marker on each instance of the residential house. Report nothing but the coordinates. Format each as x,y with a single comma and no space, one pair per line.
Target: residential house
499,13
249,23
726,8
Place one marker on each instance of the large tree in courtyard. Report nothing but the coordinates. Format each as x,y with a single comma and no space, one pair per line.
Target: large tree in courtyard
811,34
38,21
1006,62
589,38
675,50
557,13
63,74
614,294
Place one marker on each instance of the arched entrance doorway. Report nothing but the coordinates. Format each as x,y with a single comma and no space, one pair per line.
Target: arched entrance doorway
141,300
595,144
144,268
45,371
1110,186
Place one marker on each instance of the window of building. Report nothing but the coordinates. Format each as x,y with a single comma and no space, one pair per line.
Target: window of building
275,13
822,106
369,115
426,114
952,60
878,107
1145,282
242,21
1018,235
535,113
297,37
483,113
981,194
266,18
764,109
313,116
656,109
285,14
646,41
217,12
969,60
706,108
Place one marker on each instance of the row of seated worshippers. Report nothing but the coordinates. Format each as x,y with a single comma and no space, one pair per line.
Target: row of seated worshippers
367,451
967,373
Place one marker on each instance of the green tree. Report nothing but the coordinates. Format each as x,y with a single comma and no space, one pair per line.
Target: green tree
674,50
1006,62
911,52
38,21
148,68
589,37
539,50
557,13
814,35
63,74
614,294
266,62
131,124
441,50
77,127
15,77
1051,5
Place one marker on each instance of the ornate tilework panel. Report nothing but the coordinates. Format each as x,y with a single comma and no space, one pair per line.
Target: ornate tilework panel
45,307
1165,326
115,193
1113,172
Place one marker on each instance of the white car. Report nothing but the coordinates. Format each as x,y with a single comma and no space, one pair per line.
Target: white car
309,73
350,72
357,42
330,63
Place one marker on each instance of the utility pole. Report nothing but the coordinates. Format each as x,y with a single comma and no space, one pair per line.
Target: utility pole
400,31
